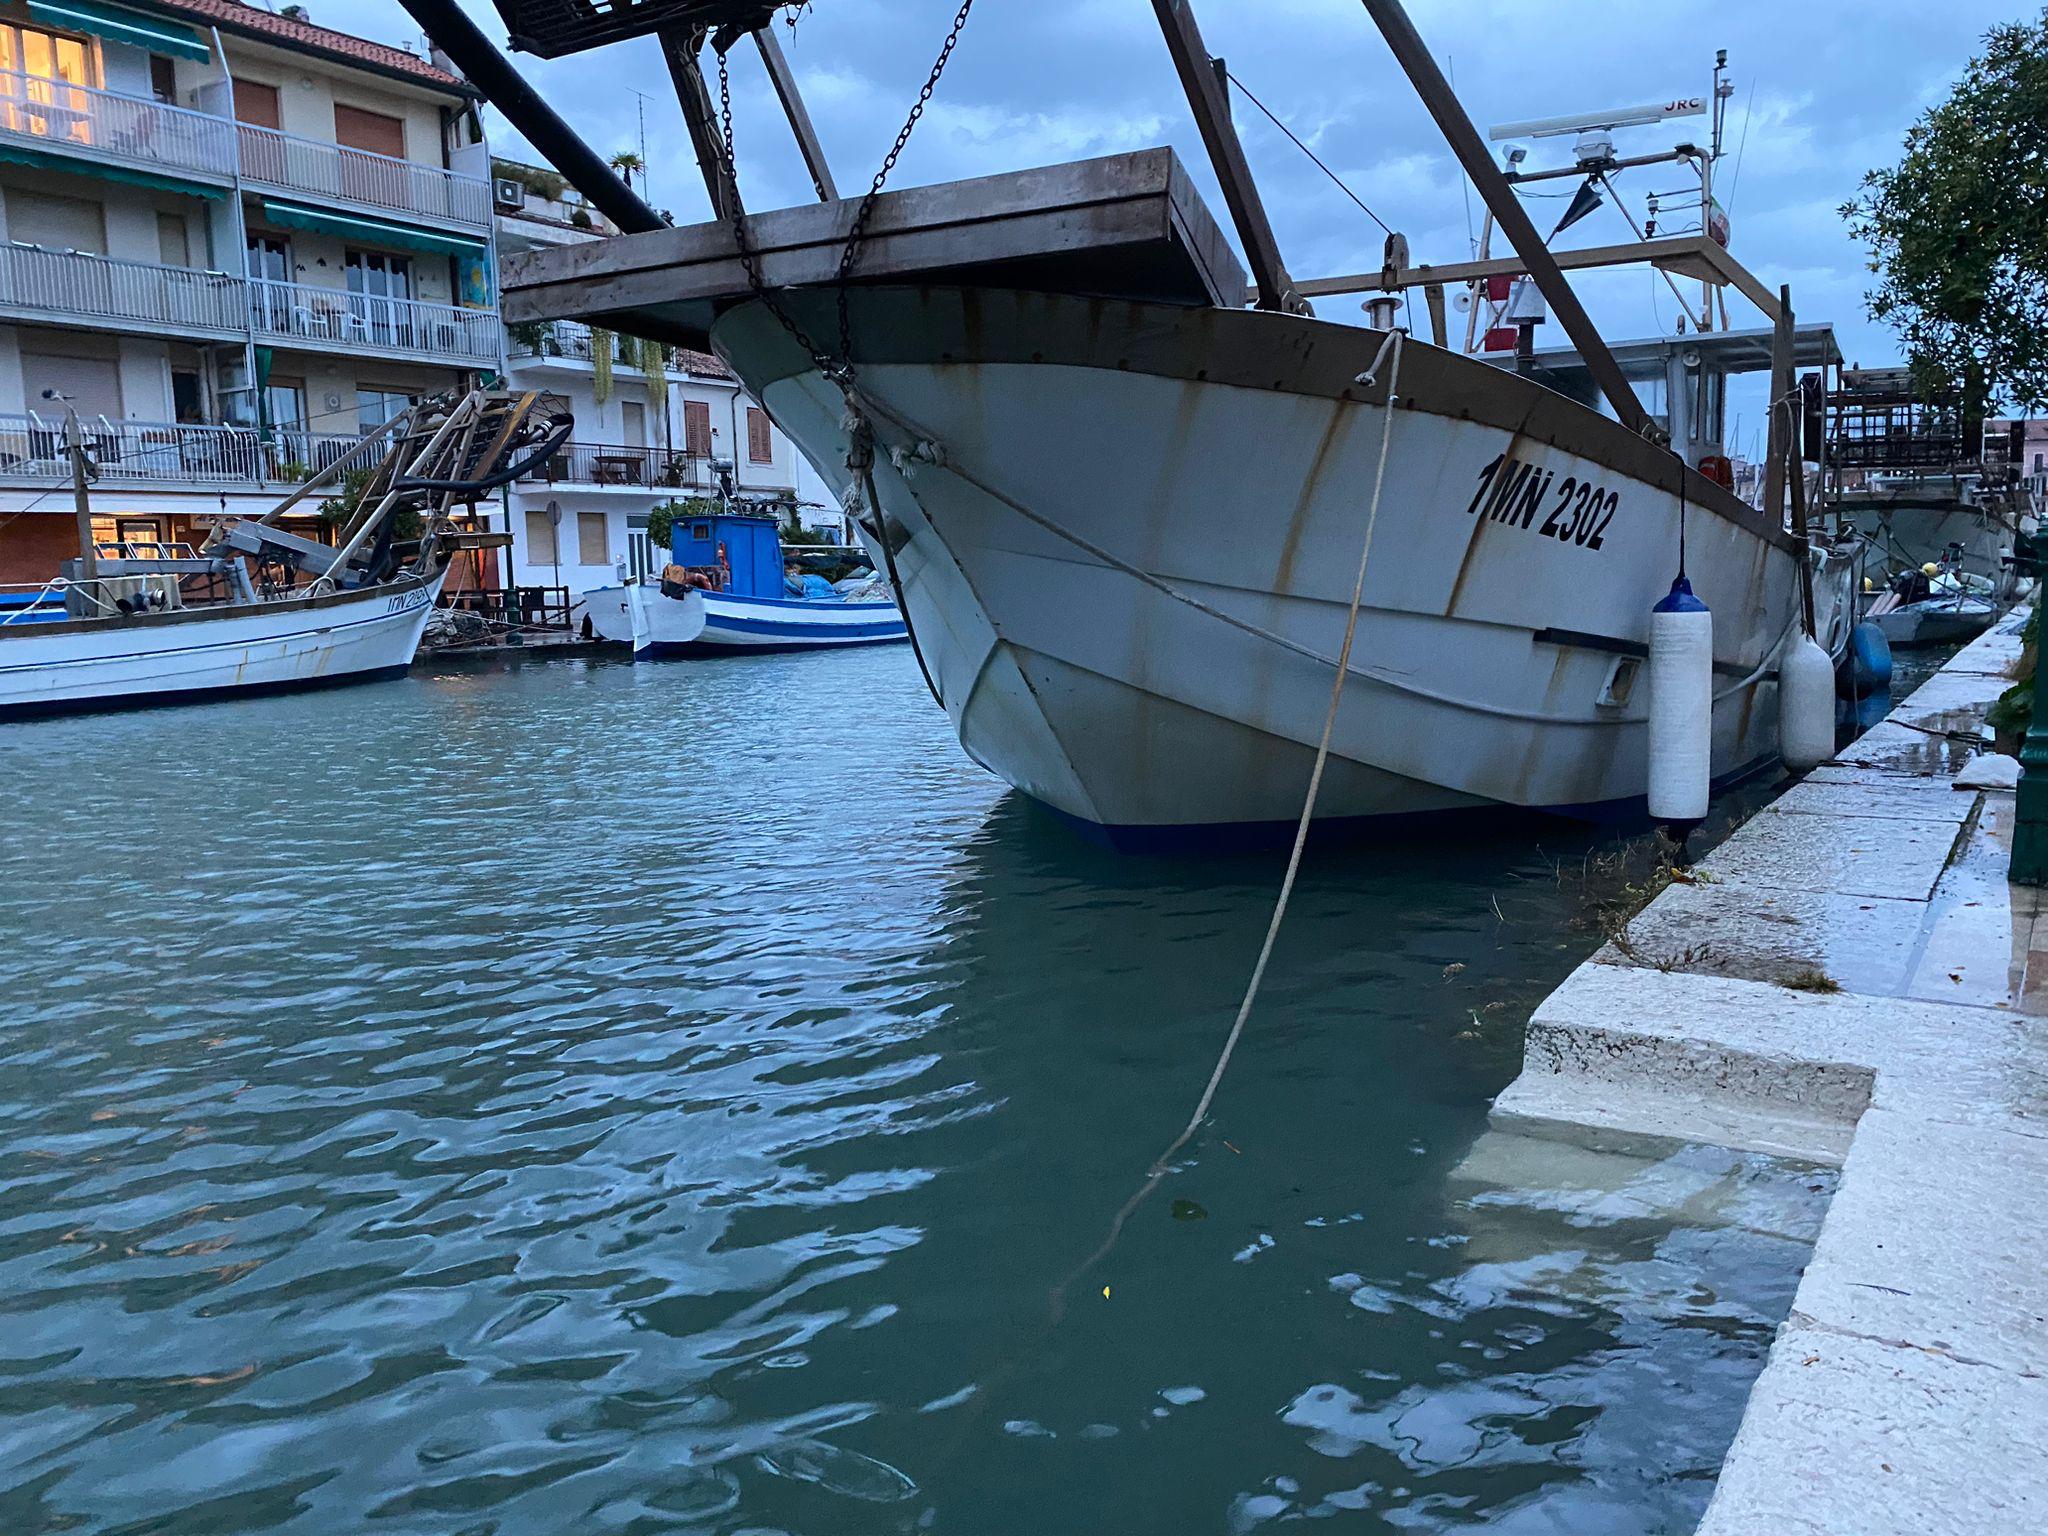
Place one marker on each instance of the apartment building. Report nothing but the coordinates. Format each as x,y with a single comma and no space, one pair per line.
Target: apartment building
235,240
653,425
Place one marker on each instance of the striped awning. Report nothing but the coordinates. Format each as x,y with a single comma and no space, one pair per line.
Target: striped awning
119,25
359,226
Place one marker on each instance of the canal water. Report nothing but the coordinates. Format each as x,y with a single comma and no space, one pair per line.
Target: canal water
577,1097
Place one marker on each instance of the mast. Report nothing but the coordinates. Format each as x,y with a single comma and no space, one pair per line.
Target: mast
1415,60
1198,78
81,498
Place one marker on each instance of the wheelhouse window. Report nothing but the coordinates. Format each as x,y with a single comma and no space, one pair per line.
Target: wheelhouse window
38,71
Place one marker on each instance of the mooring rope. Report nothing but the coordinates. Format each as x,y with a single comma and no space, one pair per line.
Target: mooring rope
1159,1169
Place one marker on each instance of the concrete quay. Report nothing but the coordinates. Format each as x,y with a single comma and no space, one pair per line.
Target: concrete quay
1850,980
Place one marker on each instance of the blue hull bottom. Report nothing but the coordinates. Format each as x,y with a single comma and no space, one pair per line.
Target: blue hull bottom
44,710
1622,816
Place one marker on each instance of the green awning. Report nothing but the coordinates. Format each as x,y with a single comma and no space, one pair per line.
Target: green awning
123,26
357,226
84,164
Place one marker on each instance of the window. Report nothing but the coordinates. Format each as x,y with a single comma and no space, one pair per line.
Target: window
760,445
373,131
270,258
697,429
42,105
379,275
173,240
257,104
377,404
593,543
540,539
92,384
188,396
58,223
163,79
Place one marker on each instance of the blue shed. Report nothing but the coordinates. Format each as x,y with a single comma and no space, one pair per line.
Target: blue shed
751,547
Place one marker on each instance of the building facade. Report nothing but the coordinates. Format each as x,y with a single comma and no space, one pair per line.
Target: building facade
653,425
233,241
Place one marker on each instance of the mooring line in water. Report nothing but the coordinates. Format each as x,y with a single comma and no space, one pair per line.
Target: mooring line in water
1159,1167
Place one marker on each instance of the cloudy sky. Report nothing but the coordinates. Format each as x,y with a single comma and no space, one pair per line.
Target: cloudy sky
1823,91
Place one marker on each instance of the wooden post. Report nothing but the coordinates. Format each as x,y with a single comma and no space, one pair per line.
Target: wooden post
1439,324
680,47
1416,61
81,498
793,108
1212,116
1778,434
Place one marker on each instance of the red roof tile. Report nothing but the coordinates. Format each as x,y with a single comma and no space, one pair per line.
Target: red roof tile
701,363
232,16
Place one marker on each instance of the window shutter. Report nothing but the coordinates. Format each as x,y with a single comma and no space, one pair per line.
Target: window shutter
697,429
760,448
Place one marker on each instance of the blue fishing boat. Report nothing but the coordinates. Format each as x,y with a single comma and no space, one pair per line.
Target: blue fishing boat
731,588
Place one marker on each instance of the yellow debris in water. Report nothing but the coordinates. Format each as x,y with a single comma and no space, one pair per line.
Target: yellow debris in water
1105,1293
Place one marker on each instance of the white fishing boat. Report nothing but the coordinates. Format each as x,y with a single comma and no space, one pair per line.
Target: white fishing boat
728,591
1940,603
259,610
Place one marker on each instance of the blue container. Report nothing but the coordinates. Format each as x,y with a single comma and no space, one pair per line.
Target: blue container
1866,666
749,547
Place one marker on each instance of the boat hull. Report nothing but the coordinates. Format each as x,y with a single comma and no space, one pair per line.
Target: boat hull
195,655
1936,622
1519,547
714,624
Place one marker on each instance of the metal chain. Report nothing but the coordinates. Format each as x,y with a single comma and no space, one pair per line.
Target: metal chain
866,209
838,369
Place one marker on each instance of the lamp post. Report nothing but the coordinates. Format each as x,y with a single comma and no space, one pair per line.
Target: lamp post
2030,801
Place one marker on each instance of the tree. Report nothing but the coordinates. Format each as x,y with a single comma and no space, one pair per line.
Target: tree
1958,229
628,165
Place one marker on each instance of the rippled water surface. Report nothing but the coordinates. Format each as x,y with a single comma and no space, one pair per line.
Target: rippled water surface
583,1098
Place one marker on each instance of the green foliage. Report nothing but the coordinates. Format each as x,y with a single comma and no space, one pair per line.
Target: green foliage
293,471
2013,711
336,511
662,520
528,335
1958,230
603,348
541,183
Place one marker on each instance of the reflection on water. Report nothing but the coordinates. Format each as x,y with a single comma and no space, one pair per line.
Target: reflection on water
583,1097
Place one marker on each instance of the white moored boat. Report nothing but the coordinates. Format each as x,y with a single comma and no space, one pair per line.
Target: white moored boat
1126,515
257,609
1522,542
726,594
197,653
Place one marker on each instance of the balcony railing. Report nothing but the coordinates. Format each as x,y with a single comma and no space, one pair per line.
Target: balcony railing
619,464
292,164
55,116
141,452
338,317
79,286
566,338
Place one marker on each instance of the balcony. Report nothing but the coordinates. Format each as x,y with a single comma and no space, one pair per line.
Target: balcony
568,339
108,294
75,121
334,319
617,464
165,453
284,162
